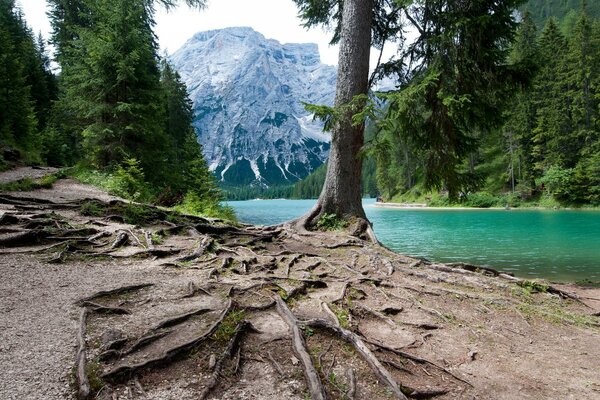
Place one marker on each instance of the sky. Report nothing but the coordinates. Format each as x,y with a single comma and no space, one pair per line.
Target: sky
275,19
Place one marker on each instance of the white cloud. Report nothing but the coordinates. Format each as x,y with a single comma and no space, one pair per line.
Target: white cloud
275,19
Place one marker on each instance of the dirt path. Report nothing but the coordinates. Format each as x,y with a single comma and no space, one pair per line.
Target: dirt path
218,320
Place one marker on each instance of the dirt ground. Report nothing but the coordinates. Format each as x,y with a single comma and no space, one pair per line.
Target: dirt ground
101,299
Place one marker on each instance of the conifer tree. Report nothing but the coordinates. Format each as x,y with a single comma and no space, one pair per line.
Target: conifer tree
19,71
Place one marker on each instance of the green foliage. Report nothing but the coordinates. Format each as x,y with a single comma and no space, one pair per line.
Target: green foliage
481,200
542,10
28,184
227,328
331,222
557,181
530,287
26,85
194,205
129,181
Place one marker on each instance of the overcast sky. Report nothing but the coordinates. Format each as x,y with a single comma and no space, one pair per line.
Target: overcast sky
275,19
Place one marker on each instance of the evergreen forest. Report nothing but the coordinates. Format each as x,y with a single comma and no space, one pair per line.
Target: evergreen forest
539,144
120,114
114,109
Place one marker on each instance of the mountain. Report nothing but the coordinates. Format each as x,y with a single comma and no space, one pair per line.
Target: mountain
248,92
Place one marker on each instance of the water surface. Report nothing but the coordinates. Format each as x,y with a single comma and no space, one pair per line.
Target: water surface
556,245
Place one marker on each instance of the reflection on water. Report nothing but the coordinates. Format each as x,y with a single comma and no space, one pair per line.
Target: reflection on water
557,245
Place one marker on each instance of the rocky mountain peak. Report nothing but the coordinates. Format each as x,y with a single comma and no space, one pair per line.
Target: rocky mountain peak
248,92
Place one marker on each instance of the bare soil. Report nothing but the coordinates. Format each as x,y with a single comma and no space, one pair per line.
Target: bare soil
103,299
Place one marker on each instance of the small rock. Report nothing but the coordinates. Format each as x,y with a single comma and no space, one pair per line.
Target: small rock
295,361
472,355
212,361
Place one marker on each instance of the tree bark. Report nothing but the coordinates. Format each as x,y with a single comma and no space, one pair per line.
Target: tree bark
341,194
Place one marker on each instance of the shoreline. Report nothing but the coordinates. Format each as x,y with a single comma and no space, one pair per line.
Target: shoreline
421,206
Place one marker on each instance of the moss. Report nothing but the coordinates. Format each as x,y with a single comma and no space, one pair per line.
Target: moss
93,372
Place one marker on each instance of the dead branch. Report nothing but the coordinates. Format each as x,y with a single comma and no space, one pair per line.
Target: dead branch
84,388
313,381
275,364
135,238
240,330
380,371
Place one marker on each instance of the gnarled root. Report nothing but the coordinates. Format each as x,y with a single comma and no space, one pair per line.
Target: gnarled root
313,381
240,330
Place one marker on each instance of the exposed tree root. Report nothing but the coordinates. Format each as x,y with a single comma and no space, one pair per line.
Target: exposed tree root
254,268
415,359
121,240
205,244
380,371
167,323
240,330
127,370
313,381
102,309
116,291
83,384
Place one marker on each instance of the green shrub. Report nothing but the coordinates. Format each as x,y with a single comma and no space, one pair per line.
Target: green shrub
330,222
481,200
129,181
193,204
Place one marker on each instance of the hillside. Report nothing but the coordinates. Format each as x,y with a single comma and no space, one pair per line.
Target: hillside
541,10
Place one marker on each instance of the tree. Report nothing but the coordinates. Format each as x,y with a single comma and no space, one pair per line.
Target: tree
341,194
458,91
25,84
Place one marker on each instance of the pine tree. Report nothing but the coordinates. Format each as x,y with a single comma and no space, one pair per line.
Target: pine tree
17,108
551,134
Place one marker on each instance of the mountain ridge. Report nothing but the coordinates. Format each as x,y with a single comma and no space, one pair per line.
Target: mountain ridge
248,93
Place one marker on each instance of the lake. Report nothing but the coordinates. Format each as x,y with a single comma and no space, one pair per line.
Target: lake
556,245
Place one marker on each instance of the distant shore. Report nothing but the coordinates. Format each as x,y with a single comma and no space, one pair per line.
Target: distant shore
422,206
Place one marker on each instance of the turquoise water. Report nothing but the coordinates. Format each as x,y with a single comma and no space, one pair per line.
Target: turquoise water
556,245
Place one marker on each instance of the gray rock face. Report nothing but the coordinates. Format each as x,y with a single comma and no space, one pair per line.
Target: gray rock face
248,93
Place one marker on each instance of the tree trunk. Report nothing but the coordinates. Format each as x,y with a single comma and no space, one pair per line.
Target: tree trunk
341,194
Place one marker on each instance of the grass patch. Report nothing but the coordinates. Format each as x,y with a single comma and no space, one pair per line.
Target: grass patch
227,327
93,373
342,315
28,184
530,287
588,283
553,311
